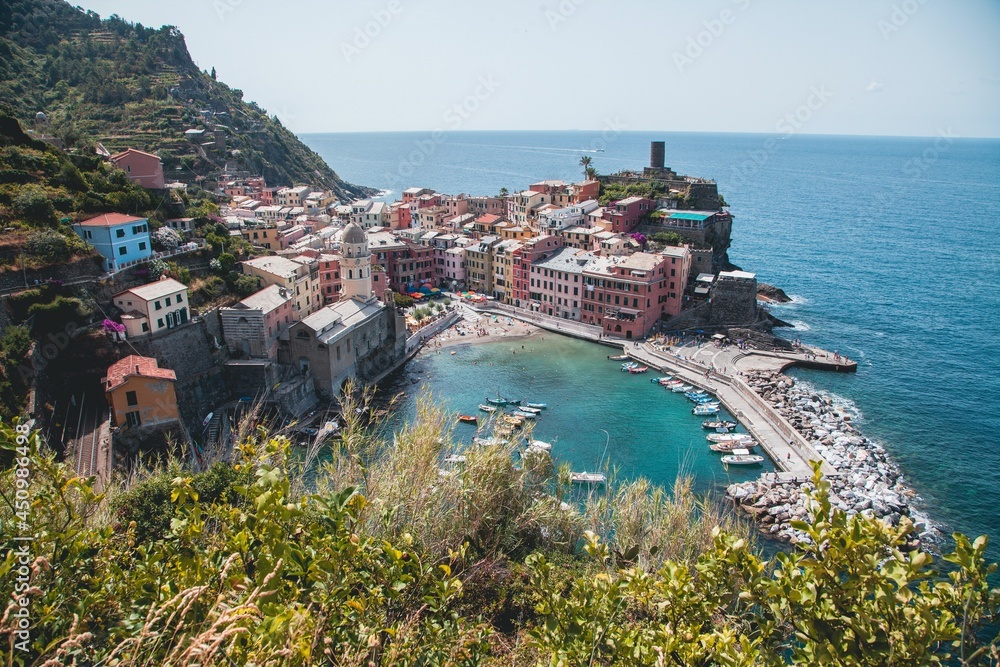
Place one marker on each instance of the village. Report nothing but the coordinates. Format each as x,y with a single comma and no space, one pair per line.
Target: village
349,291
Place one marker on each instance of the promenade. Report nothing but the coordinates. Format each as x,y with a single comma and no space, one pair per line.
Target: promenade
717,371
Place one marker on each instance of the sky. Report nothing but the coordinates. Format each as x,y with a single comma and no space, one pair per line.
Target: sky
872,67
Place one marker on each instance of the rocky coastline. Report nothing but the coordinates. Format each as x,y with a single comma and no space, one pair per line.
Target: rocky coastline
869,483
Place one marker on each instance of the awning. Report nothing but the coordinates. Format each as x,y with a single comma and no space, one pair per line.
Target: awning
718,337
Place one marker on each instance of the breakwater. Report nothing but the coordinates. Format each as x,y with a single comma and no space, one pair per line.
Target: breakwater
866,482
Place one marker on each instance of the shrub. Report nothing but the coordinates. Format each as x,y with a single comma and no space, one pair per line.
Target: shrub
33,204
245,284
49,246
402,300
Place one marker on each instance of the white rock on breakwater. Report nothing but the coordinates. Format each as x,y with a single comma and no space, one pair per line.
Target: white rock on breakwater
869,483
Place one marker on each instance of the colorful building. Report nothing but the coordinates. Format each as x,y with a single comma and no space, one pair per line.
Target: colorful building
252,326
142,168
140,393
123,240
149,309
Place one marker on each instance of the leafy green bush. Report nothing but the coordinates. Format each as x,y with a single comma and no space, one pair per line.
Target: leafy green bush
402,300
32,203
245,284
49,246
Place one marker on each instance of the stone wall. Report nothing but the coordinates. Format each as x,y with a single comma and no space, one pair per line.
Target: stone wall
734,302
77,269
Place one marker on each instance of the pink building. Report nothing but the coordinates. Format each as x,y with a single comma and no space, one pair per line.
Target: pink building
622,217
329,278
142,168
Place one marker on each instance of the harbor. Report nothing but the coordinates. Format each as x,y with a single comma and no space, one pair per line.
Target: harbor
790,423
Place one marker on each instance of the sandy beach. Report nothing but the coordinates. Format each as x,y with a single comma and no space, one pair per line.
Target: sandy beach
489,329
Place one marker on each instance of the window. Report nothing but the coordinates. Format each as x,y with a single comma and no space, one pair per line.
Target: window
156,305
159,323
167,300
145,327
120,233
123,250
142,245
132,418
130,398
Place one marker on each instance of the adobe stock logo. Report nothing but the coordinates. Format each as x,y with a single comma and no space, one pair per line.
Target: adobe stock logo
363,35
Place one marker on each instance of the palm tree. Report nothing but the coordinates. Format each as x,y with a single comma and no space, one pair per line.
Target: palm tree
503,192
585,163
590,173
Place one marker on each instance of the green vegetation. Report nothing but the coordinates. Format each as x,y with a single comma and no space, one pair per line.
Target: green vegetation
402,300
14,344
669,238
127,85
614,191
382,558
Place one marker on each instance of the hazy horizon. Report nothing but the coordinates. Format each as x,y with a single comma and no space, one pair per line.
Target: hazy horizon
857,68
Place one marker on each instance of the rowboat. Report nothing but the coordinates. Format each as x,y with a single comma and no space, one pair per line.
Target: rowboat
638,369
629,365
487,408
522,414
726,447
468,419
716,424
681,388
704,410
539,406
511,420
540,445
499,400
588,477
528,409
728,437
742,457
617,357
662,380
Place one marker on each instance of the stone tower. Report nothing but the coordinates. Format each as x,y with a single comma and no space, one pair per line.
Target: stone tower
356,264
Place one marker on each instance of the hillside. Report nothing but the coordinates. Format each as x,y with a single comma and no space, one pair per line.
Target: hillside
123,84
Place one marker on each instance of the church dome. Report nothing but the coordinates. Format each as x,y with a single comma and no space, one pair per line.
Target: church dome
353,233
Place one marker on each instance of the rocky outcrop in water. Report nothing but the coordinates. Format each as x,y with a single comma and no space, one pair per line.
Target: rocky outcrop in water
771,293
868,482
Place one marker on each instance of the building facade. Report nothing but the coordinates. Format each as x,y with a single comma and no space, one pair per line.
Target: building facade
122,240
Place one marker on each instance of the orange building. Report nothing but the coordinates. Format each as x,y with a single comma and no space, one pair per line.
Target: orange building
140,393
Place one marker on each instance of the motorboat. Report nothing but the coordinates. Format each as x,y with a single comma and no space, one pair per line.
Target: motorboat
537,406
523,415
728,437
617,357
742,457
681,388
588,477
528,409
729,447
705,410
540,446
629,365
662,380
487,408
468,419
716,424
638,369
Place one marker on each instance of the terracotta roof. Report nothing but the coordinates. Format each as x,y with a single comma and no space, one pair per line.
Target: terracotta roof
133,364
110,220
118,156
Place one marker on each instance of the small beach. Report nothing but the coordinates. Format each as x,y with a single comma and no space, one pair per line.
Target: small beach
488,329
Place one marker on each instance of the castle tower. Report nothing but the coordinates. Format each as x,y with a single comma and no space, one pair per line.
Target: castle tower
356,264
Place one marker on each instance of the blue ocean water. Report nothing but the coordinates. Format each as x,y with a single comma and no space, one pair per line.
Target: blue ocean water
889,246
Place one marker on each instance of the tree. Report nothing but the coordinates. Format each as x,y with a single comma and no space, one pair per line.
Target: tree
585,163
590,173
503,192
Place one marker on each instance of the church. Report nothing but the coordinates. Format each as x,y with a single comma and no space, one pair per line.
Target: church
359,337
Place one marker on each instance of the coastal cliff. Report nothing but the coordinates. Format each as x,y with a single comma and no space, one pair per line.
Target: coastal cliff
76,80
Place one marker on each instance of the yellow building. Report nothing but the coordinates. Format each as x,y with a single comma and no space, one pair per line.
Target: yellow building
140,393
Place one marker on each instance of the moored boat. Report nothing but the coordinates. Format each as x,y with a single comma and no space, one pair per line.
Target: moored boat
487,408
704,410
454,458
662,380
540,445
716,424
728,437
539,406
523,415
742,457
617,357
501,401
638,369
629,365
728,447
468,419
588,477
681,388
528,409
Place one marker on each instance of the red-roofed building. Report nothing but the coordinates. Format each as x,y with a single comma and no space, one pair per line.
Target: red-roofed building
142,168
140,393
123,240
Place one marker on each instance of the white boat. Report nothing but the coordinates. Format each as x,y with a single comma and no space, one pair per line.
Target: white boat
523,415
528,409
703,410
728,447
539,406
682,388
742,457
539,446
487,408
487,442
629,365
588,477
728,437
454,458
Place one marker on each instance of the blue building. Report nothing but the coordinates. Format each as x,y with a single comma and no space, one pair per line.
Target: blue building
122,239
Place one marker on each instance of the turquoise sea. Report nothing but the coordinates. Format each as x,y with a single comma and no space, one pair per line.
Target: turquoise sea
889,247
